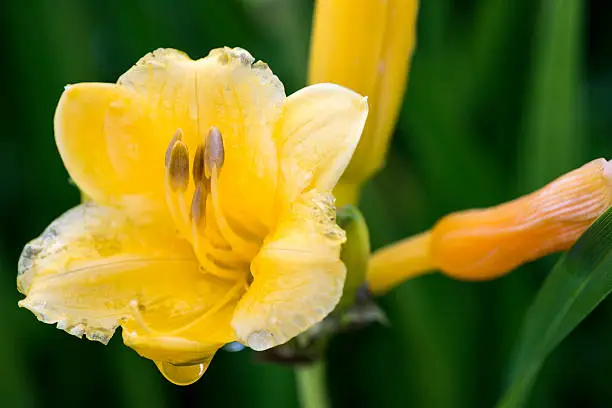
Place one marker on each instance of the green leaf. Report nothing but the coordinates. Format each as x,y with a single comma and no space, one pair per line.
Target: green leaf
578,283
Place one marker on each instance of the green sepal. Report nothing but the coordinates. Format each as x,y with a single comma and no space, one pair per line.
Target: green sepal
355,252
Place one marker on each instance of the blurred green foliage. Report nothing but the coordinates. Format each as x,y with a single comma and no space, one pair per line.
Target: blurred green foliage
503,96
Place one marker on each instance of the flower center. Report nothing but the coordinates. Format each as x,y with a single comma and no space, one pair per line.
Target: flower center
221,250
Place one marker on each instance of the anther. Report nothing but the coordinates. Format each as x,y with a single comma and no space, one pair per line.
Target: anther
178,167
198,204
214,152
178,135
198,165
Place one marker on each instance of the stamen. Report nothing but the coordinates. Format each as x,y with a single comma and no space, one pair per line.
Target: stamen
176,181
223,256
178,167
211,267
178,135
202,246
200,243
198,165
231,263
214,157
214,152
198,206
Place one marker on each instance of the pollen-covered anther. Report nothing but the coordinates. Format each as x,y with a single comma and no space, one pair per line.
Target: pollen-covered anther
214,152
176,182
178,166
198,165
198,205
178,136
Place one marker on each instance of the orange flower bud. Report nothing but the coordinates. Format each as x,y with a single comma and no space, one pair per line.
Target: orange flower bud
487,243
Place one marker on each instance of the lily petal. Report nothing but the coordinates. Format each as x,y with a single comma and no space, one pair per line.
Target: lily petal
316,137
94,268
298,275
84,143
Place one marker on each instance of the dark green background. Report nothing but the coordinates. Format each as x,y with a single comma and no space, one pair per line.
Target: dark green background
503,97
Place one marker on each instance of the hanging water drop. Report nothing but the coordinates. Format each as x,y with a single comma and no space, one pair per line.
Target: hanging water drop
182,375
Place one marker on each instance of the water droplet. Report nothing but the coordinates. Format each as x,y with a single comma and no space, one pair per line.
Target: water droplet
261,340
182,375
233,347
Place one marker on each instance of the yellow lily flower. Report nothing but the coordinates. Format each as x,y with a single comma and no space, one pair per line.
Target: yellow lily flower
211,218
488,243
366,46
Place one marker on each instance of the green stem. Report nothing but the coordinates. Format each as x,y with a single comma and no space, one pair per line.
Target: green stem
311,385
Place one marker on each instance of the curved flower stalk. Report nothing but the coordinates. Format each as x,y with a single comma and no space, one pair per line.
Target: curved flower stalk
488,243
366,46
210,218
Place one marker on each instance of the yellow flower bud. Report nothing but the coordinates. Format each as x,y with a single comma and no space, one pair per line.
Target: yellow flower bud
487,243
366,46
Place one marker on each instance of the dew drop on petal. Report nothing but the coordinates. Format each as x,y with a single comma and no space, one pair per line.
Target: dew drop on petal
261,340
182,375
